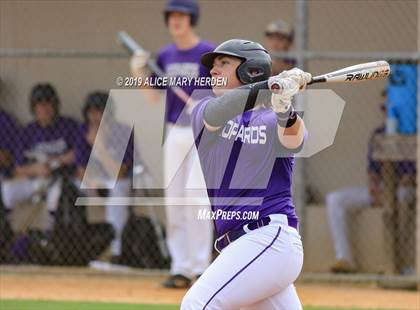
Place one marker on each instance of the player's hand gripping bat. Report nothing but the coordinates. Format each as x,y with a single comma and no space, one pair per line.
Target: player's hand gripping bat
132,47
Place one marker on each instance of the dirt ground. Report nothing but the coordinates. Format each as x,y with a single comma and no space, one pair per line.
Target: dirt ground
146,289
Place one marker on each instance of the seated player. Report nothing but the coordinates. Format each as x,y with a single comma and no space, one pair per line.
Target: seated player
44,151
96,168
340,202
8,137
8,134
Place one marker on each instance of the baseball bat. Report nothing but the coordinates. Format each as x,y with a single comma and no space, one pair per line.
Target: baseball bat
357,73
132,47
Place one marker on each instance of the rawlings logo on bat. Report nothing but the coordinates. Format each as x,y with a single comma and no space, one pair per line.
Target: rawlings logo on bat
367,75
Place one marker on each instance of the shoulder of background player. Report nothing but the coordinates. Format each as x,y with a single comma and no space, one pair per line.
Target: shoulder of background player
166,49
69,122
207,46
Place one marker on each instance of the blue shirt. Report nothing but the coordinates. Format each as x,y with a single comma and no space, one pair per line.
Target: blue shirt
402,97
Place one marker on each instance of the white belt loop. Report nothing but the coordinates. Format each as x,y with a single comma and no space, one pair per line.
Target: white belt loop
246,229
279,219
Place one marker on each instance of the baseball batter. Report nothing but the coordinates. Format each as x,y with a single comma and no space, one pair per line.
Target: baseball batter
261,258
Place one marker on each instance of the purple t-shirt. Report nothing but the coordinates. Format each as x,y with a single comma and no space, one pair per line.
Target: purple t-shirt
9,132
182,63
120,141
36,143
245,166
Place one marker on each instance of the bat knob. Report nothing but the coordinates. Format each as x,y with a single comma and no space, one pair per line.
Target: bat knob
276,88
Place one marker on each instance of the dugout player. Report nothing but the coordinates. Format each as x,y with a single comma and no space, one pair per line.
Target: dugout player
339,203
8,137
44,148
246,138
189,240
279,38
109,144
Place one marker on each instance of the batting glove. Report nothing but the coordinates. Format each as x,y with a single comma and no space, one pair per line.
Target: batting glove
284,86
277,85
138,62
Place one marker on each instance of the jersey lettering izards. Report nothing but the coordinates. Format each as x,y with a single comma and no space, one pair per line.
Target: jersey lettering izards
247,134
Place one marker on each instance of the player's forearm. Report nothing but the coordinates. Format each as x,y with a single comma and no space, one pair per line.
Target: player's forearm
6,159
292,137
80,172
66,158
234,102
110,165
23,171
27,171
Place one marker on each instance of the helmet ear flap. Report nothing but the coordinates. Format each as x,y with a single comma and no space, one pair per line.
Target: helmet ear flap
252,71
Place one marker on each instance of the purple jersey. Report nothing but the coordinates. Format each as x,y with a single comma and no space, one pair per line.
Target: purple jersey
115,143
182,63
9,132
245,166
37,144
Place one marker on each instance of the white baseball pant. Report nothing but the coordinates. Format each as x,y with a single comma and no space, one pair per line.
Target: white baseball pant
256,271
17,191
189,239
339,203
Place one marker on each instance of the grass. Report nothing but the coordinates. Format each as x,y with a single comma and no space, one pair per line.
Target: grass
12,304
18,304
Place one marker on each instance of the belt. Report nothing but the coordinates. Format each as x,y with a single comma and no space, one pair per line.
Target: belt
232,235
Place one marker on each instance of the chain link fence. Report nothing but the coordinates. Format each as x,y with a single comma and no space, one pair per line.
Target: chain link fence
357,198
44,161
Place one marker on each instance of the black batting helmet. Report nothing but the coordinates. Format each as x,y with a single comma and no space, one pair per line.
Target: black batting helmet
184,6
44,92
96,100
256,62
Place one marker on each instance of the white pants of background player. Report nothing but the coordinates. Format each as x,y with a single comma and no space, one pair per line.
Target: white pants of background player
189,239
339,203
16,191
256,271
116,215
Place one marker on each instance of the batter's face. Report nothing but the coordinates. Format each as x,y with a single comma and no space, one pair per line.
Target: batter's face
225,67
179,24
